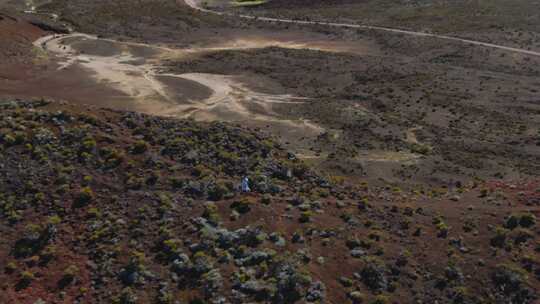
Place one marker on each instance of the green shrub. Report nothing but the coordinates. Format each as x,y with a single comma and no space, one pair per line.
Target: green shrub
171,245
241,206
442,230
69,275
305,217
266,199
9,140
152,178
346,282
93,212
87,179
521,235
363,204
511,222
85,196
527,220
113,157
16,138
420,149
176,182
88,144
299,170
201,171
211,213
47,254
381,299
229,157
357,297
484,192
27,277
499,240
217,192
11,267
139,147
134,183
54,220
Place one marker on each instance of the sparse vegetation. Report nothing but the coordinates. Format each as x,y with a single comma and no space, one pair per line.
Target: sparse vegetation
402,171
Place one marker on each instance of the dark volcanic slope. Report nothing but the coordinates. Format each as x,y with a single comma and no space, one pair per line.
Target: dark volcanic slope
100,206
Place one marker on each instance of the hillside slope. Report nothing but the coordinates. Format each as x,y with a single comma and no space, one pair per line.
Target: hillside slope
102,206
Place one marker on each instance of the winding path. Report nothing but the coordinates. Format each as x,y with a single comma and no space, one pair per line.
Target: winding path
230,99
193,4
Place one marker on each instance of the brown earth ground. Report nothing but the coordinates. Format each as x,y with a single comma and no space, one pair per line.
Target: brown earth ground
419,121
355,103
446,245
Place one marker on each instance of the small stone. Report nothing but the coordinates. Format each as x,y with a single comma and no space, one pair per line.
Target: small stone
235,215
455,198
357,253
357,297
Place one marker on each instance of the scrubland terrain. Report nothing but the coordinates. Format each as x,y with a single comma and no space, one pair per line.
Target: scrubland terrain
384,167
513,23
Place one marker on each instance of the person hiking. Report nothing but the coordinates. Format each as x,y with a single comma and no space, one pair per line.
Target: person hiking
245,184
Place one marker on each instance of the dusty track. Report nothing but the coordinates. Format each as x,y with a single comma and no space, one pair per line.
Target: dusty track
138,77
193,4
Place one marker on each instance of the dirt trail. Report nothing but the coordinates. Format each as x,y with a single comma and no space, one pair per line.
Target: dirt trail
114,70
120,66
194,4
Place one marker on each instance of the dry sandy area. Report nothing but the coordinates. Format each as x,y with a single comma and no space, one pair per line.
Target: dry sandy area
125,75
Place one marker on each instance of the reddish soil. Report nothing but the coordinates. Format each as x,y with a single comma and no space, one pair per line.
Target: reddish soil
423,188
